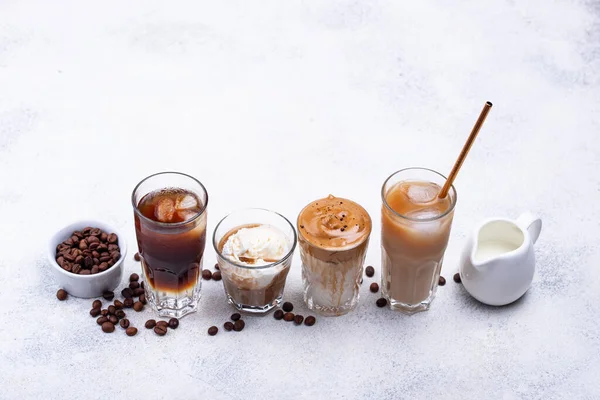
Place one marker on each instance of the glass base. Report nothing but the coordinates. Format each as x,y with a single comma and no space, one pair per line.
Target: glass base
410,308
326,311
254,309
173,307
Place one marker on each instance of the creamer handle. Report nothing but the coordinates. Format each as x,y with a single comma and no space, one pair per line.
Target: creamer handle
531,223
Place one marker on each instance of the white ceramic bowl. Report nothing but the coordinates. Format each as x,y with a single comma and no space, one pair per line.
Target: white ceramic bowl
86,286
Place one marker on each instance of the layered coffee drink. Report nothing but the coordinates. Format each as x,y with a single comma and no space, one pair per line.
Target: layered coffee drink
333,237
415,228
254,258
170,224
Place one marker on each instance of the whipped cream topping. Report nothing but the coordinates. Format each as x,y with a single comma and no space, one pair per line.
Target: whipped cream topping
256,246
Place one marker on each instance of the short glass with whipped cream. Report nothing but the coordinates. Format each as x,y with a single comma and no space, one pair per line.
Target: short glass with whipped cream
254,252
333,234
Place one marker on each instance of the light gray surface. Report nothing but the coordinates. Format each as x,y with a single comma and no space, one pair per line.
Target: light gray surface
274,104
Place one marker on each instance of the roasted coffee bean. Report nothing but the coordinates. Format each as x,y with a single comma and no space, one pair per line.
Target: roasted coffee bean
62,294
374,288
235,316
118,304
103,267
298,319
115,256
83,244
101,320
127,293
94,312
134,285
96,261
78,234
206,274
108,327
164,324
88,262
310,320
456,277
95,232
68,267
441,281
134,277
112,309
239,325
370,271
228,326
84,272
138,292
120,314
94,248
131,331
138,306
105,259
278,314
79,260
95,269
75,240
124,323
143,298
104,312
102,249
110,263
288,316
97,304
173,323
216,276
217,266
287,306
112,247
60,260
75,268
112,238
151,323
95,254
381,302
212,331
103,237
160,330
137,257
113,319
128,303
69,257
68,242
92,239
108,295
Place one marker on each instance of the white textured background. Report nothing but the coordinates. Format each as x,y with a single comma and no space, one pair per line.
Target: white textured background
276,103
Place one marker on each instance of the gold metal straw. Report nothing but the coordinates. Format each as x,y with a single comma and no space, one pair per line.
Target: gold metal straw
465,150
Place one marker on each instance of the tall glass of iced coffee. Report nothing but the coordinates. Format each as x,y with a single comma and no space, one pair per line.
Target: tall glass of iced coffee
415,226
170,226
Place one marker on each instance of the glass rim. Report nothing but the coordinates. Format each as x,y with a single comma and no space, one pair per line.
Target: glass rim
448,211
270,265
168,224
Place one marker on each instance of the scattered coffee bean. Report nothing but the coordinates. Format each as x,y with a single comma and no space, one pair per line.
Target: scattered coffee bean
134,277
164,324
134,285
124,323
137,257
298,319
278,314
138,292
217,266
118,304
235,316
374,287
206,274
212,331
216,276
138,306
381,302
239,325
104,312
143,298
62,294
120,314
101,320
228,326
288,316
128,303
97,304
441,281
457,277
160,330
173,323
108,295
94,312
131,331
369,271
112,310
108,327
310,320
151,323
287,306
127,293
113,319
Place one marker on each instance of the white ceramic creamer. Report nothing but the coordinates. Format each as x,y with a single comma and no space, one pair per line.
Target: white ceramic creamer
498,261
